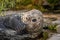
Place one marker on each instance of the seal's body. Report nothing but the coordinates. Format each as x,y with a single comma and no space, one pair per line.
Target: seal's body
11,22
31,22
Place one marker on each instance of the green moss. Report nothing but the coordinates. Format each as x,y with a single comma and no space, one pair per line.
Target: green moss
45,35
52,27
6,4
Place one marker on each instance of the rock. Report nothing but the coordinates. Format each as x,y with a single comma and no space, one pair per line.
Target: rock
56,22
7,32
55,37
10,32
58,28
46,22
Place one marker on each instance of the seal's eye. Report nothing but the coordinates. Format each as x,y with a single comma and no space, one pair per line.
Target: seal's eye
34,20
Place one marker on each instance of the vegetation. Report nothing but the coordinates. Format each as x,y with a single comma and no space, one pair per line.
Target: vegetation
19,4
6,4
25,4
45,35
52,27
52,3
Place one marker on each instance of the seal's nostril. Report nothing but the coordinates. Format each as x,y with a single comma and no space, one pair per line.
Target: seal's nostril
34,20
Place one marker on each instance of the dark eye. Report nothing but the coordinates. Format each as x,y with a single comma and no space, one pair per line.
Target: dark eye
34,20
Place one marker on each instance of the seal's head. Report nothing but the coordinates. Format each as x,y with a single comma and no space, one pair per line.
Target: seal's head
34,21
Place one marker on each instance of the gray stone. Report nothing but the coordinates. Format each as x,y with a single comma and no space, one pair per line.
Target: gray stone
46,21
58,28
55,37
56,22
10,32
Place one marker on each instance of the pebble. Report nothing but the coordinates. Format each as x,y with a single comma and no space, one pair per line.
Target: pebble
58,28
55,37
